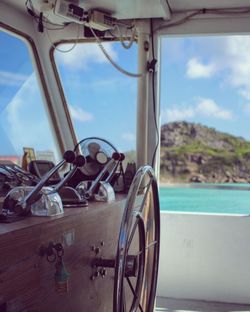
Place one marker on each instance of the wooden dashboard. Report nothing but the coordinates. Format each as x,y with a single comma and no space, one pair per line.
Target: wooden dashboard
27,279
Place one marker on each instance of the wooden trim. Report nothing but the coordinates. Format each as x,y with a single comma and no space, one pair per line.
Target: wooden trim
42,78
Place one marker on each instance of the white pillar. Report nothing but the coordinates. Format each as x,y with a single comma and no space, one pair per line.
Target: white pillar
142,99
154,131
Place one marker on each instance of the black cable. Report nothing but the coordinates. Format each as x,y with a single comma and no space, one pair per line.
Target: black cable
40,27
234,11
153,93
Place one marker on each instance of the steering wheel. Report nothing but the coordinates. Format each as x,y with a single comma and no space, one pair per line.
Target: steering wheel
137,256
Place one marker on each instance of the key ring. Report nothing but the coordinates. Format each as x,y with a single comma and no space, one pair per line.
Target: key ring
51,258
52,251
59,249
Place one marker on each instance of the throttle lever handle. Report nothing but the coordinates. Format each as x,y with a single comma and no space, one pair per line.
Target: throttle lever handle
78,162
121,158
90,192
25,204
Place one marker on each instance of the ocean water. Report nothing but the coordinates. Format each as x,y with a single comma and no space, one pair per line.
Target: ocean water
212,198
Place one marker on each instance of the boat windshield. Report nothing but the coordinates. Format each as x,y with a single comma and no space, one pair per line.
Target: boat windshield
101,100
23,119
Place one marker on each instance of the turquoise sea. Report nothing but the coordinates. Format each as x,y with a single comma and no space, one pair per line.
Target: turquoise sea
210,198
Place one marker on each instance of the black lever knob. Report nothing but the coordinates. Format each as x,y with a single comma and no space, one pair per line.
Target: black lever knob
116,156
122,156
69,156
79,161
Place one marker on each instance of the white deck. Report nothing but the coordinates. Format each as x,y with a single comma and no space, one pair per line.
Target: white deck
204,258
179,305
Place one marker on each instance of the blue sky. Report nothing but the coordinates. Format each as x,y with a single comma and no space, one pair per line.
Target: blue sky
102,100
206,80
23,121
203,80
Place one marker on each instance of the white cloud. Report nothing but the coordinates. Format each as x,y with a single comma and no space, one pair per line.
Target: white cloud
228,55
237,60
128,136
203,108
208,107
79,114
83,54
12,79
177,114
195,69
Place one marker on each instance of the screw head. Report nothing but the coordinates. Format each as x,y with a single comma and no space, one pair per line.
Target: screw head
103,272
96,274
97,250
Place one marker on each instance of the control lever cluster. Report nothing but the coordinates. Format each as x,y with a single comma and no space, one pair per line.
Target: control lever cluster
42,200
99,189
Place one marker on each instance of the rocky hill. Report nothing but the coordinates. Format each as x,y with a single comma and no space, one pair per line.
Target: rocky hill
195,153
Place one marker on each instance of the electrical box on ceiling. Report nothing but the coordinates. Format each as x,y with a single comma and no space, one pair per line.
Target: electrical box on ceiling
71,11
101,20
94,18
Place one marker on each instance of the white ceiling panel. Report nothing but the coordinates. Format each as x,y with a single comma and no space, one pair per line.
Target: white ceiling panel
183,5
125,9
122,9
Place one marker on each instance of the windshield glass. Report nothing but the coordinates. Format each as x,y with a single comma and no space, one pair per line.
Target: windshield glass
23,120
102,101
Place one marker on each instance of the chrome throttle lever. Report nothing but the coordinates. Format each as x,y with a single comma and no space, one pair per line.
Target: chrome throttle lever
69,196
98,189
91,191
78,162
21,199
116,164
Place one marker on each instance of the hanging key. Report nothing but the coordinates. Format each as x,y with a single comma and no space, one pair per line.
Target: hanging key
61,277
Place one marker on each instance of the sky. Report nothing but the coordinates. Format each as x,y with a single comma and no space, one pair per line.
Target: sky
207,80
102,100
23,120
203,80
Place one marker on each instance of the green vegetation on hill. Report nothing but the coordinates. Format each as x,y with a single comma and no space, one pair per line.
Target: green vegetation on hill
195,153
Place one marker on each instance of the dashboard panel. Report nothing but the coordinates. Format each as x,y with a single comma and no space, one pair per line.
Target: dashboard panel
12,175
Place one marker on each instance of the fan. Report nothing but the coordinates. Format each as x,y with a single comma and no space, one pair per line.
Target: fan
97,152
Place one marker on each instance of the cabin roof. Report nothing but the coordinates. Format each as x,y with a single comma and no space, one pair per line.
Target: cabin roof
146,8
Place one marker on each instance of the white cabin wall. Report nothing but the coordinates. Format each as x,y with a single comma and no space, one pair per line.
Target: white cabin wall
205,257
20,22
